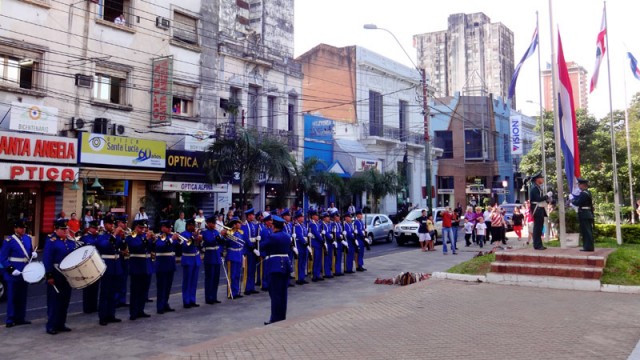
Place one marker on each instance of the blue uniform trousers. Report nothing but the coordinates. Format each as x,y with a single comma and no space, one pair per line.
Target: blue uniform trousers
252,262
302,263
339,259
121,293
361,253
90,298
211,282
139,290
278,287
235,273
328,262
189,283
317,262
58,303
109,284
164,281
16,298
351,254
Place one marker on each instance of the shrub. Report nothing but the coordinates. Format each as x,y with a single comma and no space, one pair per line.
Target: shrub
570,220
630,233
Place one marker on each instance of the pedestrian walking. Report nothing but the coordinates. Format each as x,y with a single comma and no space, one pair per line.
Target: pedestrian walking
468,231
423,231
518,219
480,230
447,232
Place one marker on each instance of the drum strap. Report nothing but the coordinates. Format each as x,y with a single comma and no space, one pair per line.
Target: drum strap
21,245
17,259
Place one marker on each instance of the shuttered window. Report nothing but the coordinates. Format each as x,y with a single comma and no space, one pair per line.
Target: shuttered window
185,28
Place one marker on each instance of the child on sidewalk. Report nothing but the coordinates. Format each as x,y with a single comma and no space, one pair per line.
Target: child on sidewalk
468,231
481,230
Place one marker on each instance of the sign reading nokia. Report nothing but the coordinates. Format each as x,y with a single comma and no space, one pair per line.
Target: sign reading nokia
37,148
516,134
34,172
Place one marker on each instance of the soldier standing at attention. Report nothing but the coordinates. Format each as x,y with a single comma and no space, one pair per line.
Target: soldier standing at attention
278,268
584,202
300,237
250,232
317,243
211,244
362,243
56,248
90,293
165,265
109,246
539,204
190,264
140,268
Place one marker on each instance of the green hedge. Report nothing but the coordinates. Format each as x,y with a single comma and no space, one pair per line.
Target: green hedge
630,233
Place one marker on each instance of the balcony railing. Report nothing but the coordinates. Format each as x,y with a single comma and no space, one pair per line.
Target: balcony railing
229,130
393,133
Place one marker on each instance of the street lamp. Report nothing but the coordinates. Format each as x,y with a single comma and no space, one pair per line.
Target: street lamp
425,113
505,183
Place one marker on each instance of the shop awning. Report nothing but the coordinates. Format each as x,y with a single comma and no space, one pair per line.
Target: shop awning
351,154
120,174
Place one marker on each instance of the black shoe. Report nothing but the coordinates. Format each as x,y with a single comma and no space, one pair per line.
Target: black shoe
298,282
329,277
195,305
168,309
267,323
51,332
64,329
315,280
103,322
211,302
122,305
247,293
160,312
292,285
10,325
305,282
149,300
187,306
541,248
23,322
341,274
89,311
255,292
349,272
238,297
144,315
132,318
264,289
114,320
361,269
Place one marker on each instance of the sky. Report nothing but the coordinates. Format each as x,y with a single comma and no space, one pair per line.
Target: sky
340,23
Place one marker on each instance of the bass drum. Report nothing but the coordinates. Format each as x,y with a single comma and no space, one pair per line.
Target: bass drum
82,267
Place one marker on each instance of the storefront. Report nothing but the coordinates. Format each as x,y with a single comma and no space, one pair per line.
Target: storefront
115,171
34,171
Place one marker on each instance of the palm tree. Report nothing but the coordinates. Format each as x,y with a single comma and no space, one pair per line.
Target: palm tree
249,153
375,183
308,178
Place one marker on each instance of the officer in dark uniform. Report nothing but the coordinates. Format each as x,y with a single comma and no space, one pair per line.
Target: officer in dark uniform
56,248
317,244
539,203
121,229
110,247
140,268
15,253
278,267
361,229
165,265
250,232
339,242
328,245
90,293
293,250
265,231
211,245
190,264
300,232
584,202
349,234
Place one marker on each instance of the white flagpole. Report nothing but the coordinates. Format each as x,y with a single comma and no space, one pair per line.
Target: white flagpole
556,124
626,125
616,199
542,147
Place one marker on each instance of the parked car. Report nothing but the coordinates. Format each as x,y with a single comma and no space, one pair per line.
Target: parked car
379,227
407,230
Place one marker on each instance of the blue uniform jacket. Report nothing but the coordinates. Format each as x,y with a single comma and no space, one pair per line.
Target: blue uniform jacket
108,246
265,232
315,230
336,231
301,235
11,249
190,252
165,253
277,248
250,232
235,250
89,239
212,245
359,226
348,228
139,255
326,227
55,249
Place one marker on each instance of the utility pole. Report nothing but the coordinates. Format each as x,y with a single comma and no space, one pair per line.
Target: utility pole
427,139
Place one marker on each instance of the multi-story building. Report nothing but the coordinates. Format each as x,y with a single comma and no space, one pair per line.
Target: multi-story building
372,105
126,95
579,84
473,56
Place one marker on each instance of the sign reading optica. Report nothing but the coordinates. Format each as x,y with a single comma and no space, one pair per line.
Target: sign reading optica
33,118
34,172
180,186
122,151
39,148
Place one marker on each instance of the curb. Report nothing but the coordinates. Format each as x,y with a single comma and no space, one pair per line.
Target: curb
621,289
459,277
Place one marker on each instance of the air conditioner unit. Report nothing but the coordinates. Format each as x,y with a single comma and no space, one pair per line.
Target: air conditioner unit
84,80
117,129
163,23
77,124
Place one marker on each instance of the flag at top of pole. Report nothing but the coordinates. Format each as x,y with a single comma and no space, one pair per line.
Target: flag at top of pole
600,50
634,66
530,51
568,125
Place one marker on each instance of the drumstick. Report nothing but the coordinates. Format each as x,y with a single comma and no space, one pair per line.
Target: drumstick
31,258
55,288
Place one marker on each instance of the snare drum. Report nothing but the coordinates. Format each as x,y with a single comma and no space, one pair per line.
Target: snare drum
33,272
82,267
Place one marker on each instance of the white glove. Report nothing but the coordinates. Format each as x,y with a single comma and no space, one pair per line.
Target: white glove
335,245
570,196
323,232
310,250
258,237
549,194
344,232
362,232
255,251
295,250
253,240
16,272
326,247
368,241
34,255
294,236
345,244
357,243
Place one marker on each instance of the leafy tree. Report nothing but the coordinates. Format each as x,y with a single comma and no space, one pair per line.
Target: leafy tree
309,178
377,184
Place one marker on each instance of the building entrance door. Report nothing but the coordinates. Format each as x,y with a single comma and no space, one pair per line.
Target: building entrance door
17,202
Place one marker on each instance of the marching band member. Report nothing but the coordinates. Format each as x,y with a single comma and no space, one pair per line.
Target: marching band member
109,246
14,256
165,265
121,293
90,293
211,244
190,264
328,245
250,232
140,268
300,232
235,248
360,237
339,243
56,248
265,232
317,243
293,250
278,268
349,233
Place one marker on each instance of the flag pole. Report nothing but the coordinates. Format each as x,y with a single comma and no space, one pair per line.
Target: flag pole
542,147
616,199
626,125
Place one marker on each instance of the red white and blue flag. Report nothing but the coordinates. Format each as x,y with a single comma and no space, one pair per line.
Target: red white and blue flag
600,50
530,51
634,66
568,125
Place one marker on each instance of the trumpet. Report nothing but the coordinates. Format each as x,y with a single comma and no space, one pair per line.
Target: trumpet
182,239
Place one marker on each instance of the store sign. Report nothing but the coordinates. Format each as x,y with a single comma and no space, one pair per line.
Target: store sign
122,151
32,172
37,148
516,135
33,118
364,165
186,162
161,97
200,141
186,186
445,191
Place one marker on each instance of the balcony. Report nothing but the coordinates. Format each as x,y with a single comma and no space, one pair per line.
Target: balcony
391,134
228,130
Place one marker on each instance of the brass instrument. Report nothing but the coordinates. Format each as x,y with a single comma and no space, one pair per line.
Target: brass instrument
182,239
230,234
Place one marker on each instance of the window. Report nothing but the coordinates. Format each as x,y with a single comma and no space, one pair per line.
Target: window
183,96
271,112
506,146
19,68
234,97
110,84
375,114
402,120
254,106
185,28
445,182
474,146
116,11
444,140
291,122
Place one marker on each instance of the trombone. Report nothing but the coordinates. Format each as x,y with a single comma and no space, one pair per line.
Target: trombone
230,234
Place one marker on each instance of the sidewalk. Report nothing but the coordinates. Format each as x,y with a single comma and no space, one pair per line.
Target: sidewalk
440,319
